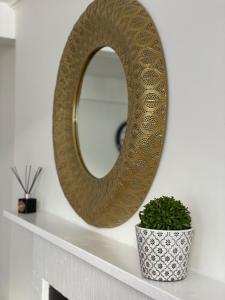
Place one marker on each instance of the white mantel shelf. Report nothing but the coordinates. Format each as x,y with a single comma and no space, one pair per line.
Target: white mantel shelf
116,259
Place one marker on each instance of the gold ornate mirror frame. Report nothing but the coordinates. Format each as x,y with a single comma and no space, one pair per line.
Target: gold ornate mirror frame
125,26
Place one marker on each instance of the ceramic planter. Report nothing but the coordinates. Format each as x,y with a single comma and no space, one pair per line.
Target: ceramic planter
164,255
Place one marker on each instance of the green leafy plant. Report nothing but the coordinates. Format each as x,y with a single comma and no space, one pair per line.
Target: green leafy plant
165,213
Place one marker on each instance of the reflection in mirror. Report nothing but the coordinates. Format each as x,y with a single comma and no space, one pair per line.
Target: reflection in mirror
103,107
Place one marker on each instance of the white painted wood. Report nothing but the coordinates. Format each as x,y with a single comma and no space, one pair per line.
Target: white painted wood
21,258
45,290
7,21
114,258
73,277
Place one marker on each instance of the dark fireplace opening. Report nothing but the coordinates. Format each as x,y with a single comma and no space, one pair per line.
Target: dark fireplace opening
55,295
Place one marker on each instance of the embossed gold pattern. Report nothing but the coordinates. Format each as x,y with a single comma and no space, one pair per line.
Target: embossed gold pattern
125,26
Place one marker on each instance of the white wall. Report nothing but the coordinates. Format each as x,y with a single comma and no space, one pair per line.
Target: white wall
192,165
7,21
6,156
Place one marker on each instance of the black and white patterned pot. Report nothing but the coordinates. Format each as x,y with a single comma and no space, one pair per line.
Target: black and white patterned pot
164,255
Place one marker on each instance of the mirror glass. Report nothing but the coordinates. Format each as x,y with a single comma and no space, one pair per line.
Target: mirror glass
102,112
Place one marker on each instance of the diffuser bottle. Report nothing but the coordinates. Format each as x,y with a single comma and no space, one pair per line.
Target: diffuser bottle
27,204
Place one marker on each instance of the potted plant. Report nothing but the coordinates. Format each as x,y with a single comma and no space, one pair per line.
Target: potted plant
164,239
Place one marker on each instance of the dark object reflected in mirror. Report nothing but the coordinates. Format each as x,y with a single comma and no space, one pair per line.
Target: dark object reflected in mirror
103,105
120,135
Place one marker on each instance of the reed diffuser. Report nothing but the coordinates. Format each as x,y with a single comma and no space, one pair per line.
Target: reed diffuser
27,204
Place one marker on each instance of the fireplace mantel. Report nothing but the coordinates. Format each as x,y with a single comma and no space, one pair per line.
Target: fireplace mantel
114,258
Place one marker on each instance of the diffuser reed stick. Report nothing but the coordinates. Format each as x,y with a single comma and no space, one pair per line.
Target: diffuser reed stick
27,204
28,183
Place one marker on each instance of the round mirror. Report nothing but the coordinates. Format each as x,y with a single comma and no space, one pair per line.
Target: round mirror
103,108
90,111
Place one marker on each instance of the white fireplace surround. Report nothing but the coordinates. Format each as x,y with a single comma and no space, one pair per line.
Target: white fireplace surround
45,290
82,264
